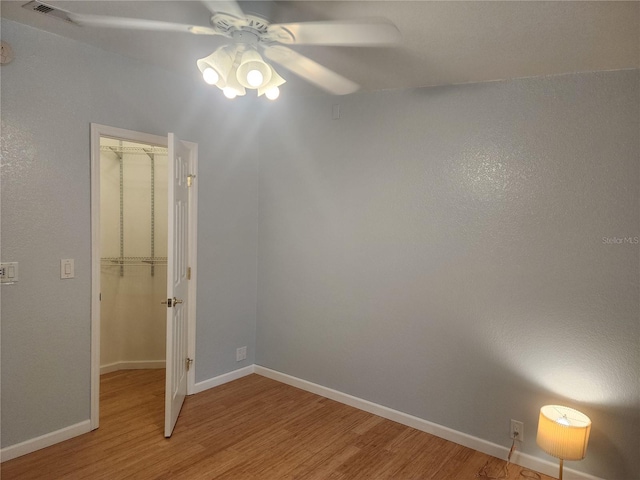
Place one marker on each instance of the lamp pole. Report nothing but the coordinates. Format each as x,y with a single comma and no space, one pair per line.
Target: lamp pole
561,462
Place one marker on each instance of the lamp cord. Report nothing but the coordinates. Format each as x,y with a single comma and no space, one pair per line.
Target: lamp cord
504,473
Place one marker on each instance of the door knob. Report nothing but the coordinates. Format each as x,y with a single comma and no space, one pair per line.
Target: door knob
171,302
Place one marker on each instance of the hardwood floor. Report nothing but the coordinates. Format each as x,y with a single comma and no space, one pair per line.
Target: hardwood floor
249,429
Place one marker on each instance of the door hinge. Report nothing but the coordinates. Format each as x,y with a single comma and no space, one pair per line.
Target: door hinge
190,180
189,362
188,273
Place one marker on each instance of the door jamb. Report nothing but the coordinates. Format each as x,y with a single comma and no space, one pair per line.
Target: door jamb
98,131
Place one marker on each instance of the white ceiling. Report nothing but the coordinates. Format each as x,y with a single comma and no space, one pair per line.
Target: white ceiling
444,42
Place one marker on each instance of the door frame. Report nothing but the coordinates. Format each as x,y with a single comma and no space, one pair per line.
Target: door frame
98,131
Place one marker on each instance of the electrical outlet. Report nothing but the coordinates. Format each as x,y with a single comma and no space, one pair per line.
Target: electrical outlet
241,354
517,430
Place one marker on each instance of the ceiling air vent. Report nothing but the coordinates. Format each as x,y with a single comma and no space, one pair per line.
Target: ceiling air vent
48,10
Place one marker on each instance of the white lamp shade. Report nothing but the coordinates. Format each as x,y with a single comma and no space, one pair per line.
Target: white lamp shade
252,61
275,81
563,432
233,84
220,61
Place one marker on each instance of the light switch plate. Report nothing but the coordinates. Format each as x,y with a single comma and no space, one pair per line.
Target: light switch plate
8,272
67,268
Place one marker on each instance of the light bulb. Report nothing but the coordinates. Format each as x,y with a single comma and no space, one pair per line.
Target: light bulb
563,420
255,78
210,76
229,92
272,93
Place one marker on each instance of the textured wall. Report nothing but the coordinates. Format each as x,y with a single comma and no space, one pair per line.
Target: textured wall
446,252
51,92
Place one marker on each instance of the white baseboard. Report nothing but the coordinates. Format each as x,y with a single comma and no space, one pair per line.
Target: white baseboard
44,441
484,446
224,378
134,365
71,431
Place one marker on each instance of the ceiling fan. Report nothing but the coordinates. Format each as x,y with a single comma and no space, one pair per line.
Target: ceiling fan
238,65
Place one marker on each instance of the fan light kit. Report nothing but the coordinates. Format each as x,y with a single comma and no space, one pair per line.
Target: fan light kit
239,65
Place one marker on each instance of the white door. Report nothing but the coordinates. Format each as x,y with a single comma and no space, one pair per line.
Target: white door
179,169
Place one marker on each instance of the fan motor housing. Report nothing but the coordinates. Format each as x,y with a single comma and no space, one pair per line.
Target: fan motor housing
226,23
234,27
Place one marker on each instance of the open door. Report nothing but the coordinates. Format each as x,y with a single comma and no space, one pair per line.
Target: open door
182,220
180,163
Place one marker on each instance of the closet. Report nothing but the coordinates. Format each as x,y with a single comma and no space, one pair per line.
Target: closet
133,263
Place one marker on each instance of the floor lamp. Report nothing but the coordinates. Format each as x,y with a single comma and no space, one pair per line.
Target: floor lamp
563,433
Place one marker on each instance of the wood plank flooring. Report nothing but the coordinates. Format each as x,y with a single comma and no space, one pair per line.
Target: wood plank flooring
249,429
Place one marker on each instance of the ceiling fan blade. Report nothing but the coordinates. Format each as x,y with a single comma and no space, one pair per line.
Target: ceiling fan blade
229,6
311,71
362,32
138,24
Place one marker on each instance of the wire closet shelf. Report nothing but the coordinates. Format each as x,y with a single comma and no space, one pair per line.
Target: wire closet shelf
139,261
133,261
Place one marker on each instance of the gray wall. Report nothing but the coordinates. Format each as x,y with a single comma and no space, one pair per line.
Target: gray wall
439,251
444,252
51,93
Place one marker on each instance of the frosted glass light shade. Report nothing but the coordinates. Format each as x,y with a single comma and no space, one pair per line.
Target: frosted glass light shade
220,62
252,62
275,81
233,89
563,432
